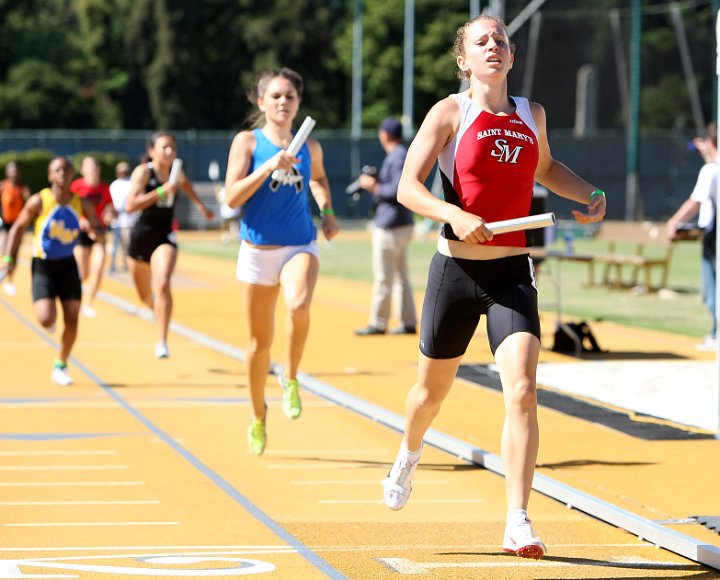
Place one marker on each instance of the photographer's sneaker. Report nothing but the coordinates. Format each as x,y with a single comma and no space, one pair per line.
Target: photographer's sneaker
291,405
521,540
398,483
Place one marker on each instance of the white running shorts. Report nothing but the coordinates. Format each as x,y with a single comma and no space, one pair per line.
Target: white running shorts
263,267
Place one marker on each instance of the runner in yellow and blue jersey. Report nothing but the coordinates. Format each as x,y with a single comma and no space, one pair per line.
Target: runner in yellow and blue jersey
55,213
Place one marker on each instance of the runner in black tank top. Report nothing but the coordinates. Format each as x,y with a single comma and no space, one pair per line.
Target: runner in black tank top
153,246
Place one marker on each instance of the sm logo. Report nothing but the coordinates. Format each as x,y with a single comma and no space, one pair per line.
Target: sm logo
504,153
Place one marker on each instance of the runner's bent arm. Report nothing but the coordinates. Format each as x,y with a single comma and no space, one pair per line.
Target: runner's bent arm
239,186
138,198
320,189
562,181
188,188
436,131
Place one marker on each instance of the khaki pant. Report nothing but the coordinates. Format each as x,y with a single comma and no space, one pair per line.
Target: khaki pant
390,277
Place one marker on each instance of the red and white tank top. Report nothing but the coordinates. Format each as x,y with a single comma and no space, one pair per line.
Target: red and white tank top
488,169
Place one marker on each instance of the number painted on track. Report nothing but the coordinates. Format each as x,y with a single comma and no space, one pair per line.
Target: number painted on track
173,566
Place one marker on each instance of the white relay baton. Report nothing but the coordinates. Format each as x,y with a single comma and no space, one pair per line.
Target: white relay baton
175,171
169,200
531,222
298,141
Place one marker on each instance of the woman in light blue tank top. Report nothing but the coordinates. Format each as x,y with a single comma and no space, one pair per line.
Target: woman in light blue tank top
278,235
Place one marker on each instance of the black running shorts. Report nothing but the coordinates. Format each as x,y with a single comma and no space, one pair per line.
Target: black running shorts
85,241
144,240
55,279
460,291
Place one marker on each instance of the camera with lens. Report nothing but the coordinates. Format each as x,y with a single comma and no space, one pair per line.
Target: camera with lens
354,191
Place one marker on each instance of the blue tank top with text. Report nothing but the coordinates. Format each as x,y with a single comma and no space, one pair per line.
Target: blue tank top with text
278,214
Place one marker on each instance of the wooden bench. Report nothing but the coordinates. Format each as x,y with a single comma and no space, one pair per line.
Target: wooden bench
650,249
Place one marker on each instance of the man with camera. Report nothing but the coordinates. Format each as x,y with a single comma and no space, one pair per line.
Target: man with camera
391,236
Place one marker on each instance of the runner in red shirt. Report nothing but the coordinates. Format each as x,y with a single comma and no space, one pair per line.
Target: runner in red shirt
490,148
90,249
13,195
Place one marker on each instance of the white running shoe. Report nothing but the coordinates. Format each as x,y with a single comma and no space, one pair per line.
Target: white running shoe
162,350
61,377
397,484
9,288
521,540
291,405
89,312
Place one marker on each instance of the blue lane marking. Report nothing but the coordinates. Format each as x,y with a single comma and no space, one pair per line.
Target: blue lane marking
213,476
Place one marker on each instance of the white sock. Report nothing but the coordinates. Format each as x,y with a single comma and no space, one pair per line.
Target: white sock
411,456
517,516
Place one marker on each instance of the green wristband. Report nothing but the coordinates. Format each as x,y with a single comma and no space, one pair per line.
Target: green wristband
596,193
160,191
7,259
328,211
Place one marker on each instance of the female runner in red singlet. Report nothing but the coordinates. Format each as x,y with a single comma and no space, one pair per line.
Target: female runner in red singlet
490,147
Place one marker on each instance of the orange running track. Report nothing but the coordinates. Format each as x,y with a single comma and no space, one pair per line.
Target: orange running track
141,468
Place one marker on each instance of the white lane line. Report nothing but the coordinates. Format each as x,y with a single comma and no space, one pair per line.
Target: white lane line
364,548
380,501
74,524
436,547
60,467
223,549
326,452
314,466
360,481
68,483
53,453
59,405
185,557
82,502
407,566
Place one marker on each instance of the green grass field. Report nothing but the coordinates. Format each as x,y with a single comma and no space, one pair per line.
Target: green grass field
678,309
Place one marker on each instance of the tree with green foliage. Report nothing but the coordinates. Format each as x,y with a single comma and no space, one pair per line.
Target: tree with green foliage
149,64
195,61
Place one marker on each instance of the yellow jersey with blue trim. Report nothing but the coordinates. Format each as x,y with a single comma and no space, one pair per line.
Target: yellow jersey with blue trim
57,227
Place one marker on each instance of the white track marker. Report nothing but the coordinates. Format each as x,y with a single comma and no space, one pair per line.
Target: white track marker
357,452
68,483
79,524
531,222
83,502
60,467
376,502
52,453
407,566
298,141
359,481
